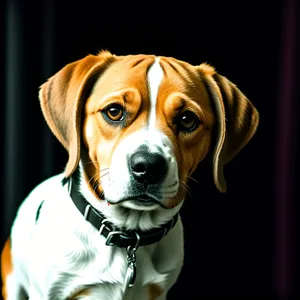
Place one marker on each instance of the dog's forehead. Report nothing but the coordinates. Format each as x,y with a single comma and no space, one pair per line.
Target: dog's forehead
132,72
127,71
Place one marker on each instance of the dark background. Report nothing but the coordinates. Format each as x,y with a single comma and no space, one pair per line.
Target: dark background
242,243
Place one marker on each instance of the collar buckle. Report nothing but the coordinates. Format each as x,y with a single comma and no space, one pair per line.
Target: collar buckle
111,239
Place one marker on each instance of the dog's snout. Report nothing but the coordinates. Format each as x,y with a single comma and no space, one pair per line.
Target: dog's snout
148,168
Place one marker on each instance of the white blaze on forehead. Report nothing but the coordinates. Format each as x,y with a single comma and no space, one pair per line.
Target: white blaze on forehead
154,78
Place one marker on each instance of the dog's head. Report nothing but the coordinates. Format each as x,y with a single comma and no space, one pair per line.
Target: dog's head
141,124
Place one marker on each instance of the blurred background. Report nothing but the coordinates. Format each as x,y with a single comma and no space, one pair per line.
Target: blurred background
242,243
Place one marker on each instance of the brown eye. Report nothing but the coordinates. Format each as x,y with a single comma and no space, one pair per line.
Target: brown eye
114,112
188,121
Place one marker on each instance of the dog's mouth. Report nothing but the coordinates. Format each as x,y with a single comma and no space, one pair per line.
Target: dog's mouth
139,200
145,201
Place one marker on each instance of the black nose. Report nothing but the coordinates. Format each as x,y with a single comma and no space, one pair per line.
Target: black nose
148,168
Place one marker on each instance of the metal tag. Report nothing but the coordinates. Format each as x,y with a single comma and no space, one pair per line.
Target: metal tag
131,264
130,275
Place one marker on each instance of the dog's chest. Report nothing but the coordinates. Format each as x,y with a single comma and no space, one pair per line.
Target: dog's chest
101,271
61,254
85,263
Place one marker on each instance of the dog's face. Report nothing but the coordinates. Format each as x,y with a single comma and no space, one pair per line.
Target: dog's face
141,124
145,128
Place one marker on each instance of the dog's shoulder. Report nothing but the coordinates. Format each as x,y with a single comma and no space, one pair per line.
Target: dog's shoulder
31,206
50,188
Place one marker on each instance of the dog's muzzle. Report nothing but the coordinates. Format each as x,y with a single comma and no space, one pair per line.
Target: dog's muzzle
143,173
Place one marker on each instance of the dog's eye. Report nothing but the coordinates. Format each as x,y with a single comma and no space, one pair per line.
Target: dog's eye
188,121
114,112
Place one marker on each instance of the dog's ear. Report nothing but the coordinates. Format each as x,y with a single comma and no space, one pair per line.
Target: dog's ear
62,98
237,120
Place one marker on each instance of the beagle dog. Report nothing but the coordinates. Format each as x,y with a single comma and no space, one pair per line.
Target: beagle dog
135,128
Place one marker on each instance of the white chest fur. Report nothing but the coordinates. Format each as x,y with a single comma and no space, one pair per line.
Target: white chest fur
63,253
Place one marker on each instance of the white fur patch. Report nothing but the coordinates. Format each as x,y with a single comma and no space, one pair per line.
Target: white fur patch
154,78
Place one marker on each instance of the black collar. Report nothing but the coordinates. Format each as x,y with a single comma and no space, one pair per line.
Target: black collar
117,236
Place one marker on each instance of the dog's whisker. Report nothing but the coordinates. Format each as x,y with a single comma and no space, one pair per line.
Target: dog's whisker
98,181
185,187
192,178
93,177
184,184
104,175
95,186
187,190
98,174
95,183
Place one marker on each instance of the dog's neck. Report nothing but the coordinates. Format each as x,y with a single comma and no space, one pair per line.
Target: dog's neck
123,217
117,236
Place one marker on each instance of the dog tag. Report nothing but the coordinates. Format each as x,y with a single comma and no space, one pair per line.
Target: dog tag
130,275
131,264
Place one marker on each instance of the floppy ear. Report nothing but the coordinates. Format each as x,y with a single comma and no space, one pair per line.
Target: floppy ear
237,121
62,98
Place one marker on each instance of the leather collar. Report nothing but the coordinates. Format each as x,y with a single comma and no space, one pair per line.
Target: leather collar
117,236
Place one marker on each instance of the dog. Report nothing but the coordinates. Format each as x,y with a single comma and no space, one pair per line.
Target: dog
135,128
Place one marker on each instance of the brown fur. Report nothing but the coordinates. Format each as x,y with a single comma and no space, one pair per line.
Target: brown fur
6,265
78,295
154,291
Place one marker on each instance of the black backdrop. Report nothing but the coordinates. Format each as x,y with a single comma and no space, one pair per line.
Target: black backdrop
242,243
